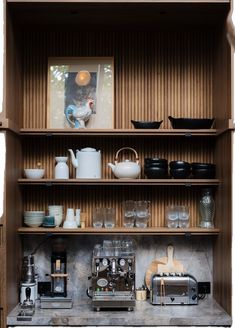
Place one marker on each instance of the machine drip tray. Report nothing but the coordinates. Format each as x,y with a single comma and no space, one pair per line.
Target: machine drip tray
56,302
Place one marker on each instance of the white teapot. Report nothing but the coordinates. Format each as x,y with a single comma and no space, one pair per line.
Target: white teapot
126,169
87,163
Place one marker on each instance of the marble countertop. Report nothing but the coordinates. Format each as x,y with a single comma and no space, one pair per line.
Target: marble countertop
206,313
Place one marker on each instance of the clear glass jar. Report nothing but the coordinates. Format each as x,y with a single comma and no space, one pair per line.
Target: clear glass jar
206,209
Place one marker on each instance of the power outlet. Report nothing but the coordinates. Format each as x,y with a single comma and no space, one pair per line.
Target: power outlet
204,287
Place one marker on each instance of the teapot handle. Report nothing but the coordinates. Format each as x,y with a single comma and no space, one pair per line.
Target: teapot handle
136,155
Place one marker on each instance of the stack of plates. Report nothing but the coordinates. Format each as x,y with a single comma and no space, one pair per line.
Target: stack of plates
33,218
57,212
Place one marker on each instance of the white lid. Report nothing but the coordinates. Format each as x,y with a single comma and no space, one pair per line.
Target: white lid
88,149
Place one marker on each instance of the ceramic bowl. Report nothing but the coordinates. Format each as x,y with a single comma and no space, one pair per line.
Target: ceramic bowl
34,173
179,165
33,224
161,165
180,173
155,160
196,166
191,123
146,124
203,174
156,173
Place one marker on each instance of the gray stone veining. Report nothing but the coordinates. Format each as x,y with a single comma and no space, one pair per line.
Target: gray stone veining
195,253
206,313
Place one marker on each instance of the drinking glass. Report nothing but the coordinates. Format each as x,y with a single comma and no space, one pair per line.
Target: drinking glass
98,217
110,217
127,247
171,216
108,247
142,213
128,208
117,247
183,213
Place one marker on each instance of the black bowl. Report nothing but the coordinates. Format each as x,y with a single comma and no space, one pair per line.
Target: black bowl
203,173
155,160
146,124
180,173
179,165
191,123
156,173
161,165
196,166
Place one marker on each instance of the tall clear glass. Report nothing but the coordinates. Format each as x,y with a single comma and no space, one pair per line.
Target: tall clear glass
206,209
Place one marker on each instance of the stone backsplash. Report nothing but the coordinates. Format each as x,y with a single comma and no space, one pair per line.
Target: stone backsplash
194,252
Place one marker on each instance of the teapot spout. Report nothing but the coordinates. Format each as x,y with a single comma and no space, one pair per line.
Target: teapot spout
112,166
74,160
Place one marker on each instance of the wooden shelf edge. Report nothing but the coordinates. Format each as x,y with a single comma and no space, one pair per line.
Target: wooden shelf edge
130,231
120,182
117,132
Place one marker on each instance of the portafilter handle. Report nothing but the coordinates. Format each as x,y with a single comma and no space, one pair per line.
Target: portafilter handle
28,303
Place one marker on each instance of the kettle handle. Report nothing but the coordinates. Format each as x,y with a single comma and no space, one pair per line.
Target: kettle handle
136,155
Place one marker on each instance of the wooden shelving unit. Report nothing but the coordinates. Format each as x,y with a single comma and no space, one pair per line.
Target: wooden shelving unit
120,182
120,231
170,58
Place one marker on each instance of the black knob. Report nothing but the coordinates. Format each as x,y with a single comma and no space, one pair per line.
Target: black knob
194,297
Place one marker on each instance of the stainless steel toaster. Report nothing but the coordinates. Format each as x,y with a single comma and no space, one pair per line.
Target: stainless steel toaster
173,288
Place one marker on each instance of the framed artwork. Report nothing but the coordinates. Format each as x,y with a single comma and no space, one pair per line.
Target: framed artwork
80,93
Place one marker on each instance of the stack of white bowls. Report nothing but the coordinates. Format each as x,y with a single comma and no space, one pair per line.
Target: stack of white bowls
57,212
33,219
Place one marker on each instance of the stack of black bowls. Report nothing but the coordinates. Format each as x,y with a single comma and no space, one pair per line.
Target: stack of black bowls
156,168
180,169
203,171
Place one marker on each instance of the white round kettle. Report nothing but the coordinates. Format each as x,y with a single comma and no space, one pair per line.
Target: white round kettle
87,163
126,169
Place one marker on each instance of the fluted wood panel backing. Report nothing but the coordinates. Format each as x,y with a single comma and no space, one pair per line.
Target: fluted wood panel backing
223,220
44,150
157,73
13,104
222,91
87,198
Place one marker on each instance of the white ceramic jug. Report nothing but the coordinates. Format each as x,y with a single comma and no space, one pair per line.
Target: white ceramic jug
87,163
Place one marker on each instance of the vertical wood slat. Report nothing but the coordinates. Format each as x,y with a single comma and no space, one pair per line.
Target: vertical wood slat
156,73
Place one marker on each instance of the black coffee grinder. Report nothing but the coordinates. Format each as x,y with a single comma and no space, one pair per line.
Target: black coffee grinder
59,274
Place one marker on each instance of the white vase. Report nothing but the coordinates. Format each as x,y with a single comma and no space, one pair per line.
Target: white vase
61,168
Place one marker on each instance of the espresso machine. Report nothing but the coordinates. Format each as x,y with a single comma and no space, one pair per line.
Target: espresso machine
113,277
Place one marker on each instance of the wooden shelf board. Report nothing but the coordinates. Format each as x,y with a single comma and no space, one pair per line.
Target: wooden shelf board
120,230
117,132
120,182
